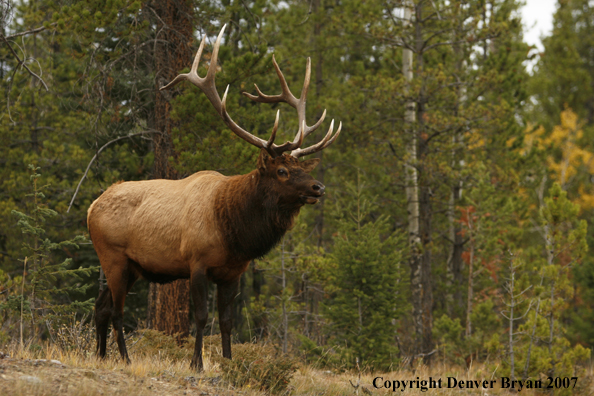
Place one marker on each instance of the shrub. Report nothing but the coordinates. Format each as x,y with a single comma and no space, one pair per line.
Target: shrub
73,334
254,365
259,367
153,342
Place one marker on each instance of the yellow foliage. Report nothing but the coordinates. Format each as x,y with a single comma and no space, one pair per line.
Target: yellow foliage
584,199
565,138
567,158
474,140
531,139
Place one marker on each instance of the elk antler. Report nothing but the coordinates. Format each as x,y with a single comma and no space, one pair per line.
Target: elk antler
207,85
298,104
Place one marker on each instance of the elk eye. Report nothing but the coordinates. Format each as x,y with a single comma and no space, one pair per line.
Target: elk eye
282,172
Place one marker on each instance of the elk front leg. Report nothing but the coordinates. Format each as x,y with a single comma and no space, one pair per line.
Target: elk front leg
199,290
227,292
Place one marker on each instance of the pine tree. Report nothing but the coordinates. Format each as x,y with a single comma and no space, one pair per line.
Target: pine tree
366,288
567,48
562,127
467,83
547,348
47,282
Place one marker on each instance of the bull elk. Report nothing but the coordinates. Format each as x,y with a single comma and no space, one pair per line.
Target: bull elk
206,226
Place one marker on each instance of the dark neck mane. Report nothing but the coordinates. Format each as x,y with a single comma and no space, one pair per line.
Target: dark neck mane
250,216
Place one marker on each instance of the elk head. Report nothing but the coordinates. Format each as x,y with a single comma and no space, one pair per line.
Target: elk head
289,179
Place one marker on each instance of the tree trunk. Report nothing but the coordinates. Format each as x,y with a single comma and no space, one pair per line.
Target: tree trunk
550,249
470,276
319,82
169,304
533,334
412,194
419,200
285,317
455,262
426,287
511,326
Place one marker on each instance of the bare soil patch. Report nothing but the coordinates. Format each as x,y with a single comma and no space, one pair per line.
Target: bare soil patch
52,377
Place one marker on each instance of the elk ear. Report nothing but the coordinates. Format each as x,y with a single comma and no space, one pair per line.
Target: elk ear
263,160
309,165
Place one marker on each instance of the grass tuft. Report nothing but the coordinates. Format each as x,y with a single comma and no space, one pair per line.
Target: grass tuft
260,367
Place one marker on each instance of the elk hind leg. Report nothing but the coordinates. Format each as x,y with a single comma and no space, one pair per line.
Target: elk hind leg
120,283
103,310
227,291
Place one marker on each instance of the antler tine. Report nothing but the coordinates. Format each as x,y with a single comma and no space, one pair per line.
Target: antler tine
301,135
310,129
298,104
325,142
194,69
285,96
192,76
261,98
306,81
214,57
224,101
208,87
207,84
270,141
288,146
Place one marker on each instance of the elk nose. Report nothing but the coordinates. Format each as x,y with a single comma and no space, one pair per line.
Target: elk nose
318,188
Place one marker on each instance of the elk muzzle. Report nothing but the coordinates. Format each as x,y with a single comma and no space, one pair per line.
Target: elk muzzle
315,192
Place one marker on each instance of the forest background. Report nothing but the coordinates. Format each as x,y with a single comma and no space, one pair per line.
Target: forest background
458,195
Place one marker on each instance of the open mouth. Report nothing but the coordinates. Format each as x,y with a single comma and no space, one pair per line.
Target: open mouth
310,199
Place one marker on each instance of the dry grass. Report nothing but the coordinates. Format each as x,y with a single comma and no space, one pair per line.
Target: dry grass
157,368
29,372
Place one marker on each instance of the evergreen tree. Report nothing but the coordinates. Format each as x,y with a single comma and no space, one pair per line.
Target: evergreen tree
366,289
467,85
47,288
566,49
567,153
561,111
547,348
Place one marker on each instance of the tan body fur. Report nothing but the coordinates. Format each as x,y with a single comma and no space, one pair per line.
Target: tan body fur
164,221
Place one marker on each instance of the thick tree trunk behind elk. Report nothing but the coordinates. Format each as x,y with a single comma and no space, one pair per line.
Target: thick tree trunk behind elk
169,304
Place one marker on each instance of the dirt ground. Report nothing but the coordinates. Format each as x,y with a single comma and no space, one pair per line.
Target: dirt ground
37,377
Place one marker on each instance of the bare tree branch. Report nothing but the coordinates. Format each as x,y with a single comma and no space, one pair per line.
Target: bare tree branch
22,63
95,157
32,31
